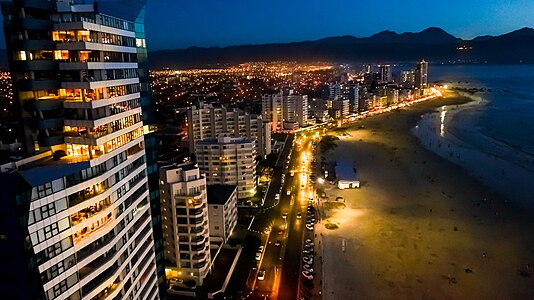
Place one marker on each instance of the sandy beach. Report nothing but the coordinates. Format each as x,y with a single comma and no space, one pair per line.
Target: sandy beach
420,227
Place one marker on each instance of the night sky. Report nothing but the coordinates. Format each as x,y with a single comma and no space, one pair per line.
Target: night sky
184,23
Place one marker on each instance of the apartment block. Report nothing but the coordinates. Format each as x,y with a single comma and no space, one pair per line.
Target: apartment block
186,225
229,161
208,121
222,210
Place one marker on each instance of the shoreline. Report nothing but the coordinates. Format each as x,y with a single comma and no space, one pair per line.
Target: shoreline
494,163
420,226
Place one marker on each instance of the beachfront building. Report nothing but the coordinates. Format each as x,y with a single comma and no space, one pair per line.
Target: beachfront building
230,161
421,77
222,209
184,209
346,175
76,219
341,105
208,121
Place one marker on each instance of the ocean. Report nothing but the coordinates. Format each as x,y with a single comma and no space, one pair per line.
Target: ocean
493,136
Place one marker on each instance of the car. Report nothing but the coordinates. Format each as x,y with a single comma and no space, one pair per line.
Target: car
175,281
299,216
277,197
258,256
309,227
261,275
280,232
307,252
308,260
277,243
288,192
311,220
308,241
284,216
310,244
261,248
307,267
307,275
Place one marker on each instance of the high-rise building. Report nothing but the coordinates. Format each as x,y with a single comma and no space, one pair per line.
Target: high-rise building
295,111
385,73
285,110
354,96
272,110
79,214
229,161
342,105
184,207
421,75
208,121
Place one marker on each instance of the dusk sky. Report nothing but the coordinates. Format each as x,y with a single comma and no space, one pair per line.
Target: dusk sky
185,23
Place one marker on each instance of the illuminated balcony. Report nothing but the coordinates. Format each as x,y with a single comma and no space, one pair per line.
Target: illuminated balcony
92,229
90,211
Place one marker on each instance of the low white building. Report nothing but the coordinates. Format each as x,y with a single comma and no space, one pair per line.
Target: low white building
346,175
222,211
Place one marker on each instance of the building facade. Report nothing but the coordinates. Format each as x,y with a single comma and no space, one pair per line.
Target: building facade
185,223
84,186
222,210
285,110
208,121
421,75
229,161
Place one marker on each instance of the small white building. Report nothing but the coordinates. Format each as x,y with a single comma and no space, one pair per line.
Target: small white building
346,175
222,211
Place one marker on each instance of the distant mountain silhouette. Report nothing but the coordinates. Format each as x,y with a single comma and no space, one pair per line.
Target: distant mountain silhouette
433,44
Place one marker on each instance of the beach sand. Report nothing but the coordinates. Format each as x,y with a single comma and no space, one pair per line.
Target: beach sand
420,227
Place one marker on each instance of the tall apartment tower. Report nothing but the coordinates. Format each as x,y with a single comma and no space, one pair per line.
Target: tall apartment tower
229,161
385,73
285,110
80,197
272,110
421,75
208,121
185,222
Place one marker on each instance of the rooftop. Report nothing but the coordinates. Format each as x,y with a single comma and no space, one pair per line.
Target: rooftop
219,194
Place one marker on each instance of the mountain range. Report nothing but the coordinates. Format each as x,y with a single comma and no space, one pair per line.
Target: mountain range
433,44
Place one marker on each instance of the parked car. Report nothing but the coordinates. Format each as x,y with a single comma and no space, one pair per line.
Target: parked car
261,275
260,249
277,243
258,256
308,241
307,267
299,216
307,275
307,259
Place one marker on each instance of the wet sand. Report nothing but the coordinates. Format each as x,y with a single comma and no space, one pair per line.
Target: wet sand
421,227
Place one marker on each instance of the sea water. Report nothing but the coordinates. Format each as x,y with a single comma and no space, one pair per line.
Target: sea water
492,137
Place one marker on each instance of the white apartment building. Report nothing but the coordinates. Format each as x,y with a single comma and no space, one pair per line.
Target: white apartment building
88,221
186,226
272,110
285,111
208,121
222,210
342,105
229,161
